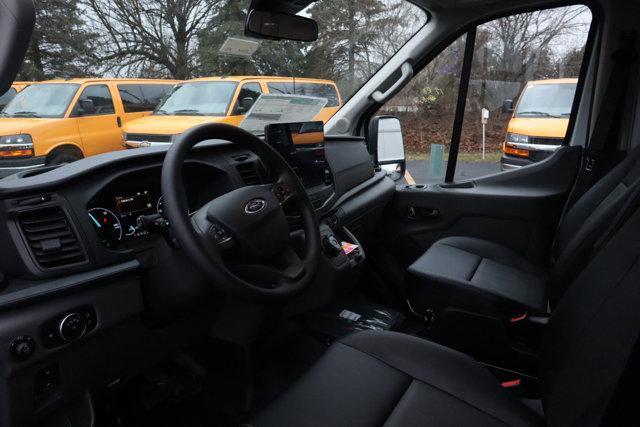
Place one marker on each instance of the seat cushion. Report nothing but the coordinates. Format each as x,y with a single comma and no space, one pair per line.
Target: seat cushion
475,274
386,378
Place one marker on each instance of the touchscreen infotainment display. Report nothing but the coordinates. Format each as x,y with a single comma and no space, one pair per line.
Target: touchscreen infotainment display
302,146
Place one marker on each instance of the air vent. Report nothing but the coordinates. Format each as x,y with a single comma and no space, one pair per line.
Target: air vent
51,238
248,174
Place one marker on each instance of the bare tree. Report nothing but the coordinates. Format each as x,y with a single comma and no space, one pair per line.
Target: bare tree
149,37
520,41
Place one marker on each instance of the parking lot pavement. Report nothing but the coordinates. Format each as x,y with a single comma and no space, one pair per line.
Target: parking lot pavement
418,170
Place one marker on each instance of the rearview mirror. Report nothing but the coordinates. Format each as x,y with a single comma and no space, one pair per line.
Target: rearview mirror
387,145
507,106
279,26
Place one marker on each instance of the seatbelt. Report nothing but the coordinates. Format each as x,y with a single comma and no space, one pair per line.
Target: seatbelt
605,132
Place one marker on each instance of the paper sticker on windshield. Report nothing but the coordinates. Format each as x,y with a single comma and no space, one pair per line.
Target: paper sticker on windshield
239,47
281,109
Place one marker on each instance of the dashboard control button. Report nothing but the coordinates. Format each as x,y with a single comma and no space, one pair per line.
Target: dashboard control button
72,326
22,347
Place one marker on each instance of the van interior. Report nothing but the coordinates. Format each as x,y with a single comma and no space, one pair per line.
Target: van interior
308,276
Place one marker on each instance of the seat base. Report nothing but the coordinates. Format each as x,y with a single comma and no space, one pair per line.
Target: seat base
392,379
476,275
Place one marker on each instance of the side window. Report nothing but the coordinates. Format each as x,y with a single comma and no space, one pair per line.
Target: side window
153,94
95,100
248,90
426,108
132,98
520,80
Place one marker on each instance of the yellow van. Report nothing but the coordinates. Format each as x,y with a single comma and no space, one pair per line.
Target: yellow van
60,121
222,100
539,121
11,93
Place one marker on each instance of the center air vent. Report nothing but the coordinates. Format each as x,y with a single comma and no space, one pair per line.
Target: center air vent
50,237
248,174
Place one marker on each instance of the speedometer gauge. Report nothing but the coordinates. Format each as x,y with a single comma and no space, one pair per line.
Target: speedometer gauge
107,225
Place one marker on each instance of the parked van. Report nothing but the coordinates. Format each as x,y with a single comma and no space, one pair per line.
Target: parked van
539,121
11,93
60,121
222,100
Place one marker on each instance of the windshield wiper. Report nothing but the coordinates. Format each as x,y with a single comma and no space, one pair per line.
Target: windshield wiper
160,112
537,113
188,113
24,114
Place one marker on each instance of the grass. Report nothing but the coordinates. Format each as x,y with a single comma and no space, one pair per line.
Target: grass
490,157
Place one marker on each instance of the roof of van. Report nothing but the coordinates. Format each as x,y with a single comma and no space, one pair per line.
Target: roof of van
82,80
276,78
552,81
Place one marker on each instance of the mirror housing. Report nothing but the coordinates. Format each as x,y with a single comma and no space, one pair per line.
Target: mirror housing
507,106
280,26
86,107
387,145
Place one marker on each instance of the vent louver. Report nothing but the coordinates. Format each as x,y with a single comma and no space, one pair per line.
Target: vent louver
50,237
248,174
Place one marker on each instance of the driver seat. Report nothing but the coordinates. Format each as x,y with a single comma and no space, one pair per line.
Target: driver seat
391,379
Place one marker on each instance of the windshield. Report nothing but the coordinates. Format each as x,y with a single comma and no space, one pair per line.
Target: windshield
153,39
553,100
198,99
42,100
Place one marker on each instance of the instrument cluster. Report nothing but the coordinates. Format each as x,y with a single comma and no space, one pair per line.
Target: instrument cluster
121,210
118,221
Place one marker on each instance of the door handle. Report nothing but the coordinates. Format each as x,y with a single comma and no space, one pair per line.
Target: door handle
119,121
414,213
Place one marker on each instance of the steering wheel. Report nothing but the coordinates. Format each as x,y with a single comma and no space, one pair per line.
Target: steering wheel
247,223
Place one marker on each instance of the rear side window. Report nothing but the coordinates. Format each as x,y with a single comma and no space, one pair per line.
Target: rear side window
153,94
7,97
101,97
138,98
132,98
320,90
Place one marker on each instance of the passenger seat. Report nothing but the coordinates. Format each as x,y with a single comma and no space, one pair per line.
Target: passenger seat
487,278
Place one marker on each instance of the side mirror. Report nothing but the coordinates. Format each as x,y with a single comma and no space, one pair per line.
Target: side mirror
245,104
507,106
279,26
387,145
86,107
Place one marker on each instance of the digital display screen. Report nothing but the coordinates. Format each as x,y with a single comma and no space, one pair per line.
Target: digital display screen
302,146
138,202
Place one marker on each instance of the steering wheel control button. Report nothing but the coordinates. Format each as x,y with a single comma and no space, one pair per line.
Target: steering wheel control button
254,206
22,347
72,327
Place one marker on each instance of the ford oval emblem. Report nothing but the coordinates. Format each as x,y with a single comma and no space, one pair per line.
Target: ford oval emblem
255,206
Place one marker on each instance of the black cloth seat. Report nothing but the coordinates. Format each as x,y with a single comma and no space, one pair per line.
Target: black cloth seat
392,379
488,278
385,378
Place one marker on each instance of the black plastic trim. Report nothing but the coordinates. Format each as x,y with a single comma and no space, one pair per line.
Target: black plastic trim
55,286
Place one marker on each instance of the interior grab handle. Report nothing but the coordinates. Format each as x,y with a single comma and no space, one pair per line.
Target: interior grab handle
407,73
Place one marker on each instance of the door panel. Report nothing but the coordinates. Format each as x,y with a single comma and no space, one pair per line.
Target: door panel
100,127
519,209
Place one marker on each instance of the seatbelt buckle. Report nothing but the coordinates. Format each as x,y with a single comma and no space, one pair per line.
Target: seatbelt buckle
589,164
